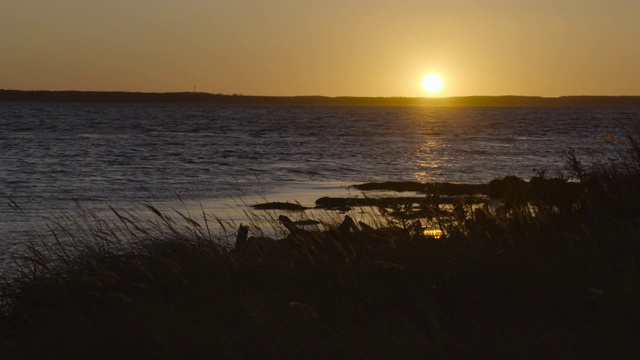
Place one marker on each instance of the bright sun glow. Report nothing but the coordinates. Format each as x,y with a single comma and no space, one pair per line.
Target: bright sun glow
432,83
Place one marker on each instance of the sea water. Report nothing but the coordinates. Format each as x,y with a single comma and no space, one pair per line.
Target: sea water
55,156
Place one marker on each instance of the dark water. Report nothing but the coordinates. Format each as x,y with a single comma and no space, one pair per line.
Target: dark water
55,154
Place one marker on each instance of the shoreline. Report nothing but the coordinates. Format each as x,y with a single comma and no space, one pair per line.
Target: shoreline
388,192
538,257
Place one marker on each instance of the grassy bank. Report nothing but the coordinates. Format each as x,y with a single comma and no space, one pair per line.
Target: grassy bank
553,269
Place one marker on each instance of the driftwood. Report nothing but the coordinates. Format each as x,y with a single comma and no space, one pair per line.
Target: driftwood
261,246
254,244
258,245
348,225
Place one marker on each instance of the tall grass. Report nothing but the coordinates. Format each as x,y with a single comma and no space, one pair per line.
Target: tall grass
551,269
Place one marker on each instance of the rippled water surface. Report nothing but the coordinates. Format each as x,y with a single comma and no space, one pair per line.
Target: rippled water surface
104,154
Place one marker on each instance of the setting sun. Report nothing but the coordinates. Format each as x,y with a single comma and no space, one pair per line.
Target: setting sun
432,83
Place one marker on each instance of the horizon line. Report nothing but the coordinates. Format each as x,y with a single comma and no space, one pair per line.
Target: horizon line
185,97
311,95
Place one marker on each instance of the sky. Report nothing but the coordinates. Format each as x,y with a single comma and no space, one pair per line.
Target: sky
323,47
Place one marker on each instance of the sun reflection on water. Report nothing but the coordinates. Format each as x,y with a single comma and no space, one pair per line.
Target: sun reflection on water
429,160
434,233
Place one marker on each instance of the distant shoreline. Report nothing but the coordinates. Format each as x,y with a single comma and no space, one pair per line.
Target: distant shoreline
222,99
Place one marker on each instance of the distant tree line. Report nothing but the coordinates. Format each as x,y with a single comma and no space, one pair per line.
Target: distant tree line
239,99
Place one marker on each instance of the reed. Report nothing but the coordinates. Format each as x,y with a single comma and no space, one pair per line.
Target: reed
551,269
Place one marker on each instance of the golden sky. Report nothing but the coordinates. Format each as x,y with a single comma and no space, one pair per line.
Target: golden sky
323,47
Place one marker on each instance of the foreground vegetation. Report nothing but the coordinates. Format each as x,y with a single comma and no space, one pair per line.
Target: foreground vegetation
553,269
